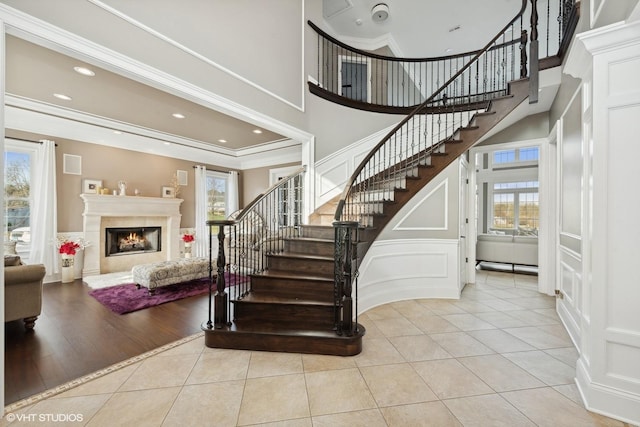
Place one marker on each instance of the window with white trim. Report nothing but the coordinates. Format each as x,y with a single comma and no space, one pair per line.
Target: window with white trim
515,206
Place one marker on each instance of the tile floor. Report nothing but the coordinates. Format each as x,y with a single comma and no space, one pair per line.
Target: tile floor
497,357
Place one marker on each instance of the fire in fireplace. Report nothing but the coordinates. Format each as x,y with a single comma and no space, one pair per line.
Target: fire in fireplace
132,240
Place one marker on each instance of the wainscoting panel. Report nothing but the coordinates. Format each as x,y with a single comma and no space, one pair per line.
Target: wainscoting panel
396,270
570,284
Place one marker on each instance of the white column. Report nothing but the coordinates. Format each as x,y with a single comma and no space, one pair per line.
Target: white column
608,62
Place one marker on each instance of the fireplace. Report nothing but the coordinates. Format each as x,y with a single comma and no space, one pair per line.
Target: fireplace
132,240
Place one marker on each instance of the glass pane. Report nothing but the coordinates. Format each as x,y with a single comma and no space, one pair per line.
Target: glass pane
17,192
216,198
504,156
503,211
528,214
529,154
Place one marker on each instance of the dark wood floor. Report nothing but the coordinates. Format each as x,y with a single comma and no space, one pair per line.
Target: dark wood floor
76,335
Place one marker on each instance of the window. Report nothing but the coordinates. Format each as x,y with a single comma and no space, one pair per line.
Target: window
17,196
504,158
217,187
516,207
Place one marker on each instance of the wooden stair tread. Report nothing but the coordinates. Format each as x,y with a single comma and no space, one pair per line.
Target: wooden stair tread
297,255
281,274
310,239
265,298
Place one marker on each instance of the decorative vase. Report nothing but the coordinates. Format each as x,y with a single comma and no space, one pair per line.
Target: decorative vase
187,249
67,268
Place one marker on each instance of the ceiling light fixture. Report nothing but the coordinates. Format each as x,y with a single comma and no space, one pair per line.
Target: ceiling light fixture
258,131
222,141
117,132
62,96
178,115
380,12
84,71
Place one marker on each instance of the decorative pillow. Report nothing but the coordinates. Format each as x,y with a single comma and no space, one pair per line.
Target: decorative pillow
12,260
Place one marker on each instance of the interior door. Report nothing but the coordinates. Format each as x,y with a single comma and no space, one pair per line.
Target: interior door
354,78
463,223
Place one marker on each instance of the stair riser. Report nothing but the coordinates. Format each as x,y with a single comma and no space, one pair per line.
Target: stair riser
318,232
310,248
306,266
289,288
298,316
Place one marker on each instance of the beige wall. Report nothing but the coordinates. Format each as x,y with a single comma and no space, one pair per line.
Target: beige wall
146,172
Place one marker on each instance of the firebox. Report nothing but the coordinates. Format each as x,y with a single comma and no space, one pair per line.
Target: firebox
132,240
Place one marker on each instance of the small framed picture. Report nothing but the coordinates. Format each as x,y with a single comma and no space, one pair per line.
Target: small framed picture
168,192
91,186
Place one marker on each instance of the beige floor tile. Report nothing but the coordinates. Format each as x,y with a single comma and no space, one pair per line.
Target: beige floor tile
298,422
378,351
267,364
499,373
476,295
531,318
567,355
570,391
385,311
397,327
473,306
500,341
467,322
158,372
75,410
557,330
537,337
139,408
195,346
368,418
270,399
109,383
501,305
532,303
438,306
489,410
428,414
396,385
544,367
318,362
220,365
528,293
549,312
461,344
418,348
448,378
207,404
501,320
547,407
503,293
433,324
332,392
411,308
370,327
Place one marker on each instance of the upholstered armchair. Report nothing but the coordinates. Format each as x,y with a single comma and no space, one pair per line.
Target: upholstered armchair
22,290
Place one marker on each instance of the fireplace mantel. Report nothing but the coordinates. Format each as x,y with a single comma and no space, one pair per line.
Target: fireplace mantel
98,208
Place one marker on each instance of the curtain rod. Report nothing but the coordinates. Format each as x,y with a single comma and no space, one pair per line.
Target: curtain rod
25,140
213,170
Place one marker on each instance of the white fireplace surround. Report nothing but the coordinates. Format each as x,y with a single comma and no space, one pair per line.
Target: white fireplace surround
101,209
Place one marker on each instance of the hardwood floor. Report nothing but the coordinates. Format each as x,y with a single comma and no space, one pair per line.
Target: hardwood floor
76,335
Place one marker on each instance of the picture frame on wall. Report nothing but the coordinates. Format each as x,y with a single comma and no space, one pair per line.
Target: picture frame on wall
91,186
168,192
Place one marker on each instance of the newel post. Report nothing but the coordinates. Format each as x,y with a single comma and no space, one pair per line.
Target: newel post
346,275
220,314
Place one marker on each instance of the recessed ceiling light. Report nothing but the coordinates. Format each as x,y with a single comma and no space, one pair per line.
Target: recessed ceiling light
447,50
257,131
223,141
84,71
167,143
62,96
178,115
117,132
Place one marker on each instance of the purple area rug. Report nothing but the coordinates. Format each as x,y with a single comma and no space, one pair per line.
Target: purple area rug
126,298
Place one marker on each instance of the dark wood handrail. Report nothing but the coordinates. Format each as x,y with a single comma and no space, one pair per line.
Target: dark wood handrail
416,110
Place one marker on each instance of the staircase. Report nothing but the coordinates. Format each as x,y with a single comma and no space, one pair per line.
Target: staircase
291,304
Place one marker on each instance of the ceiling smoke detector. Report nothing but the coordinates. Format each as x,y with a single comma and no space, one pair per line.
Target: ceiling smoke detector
380,12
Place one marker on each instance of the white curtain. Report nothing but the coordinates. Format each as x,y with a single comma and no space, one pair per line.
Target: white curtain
44,217
232,193
201,244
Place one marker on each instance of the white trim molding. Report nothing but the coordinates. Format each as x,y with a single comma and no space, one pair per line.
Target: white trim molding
422,268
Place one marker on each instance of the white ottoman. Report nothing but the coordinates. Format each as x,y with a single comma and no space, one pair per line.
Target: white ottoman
164,273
